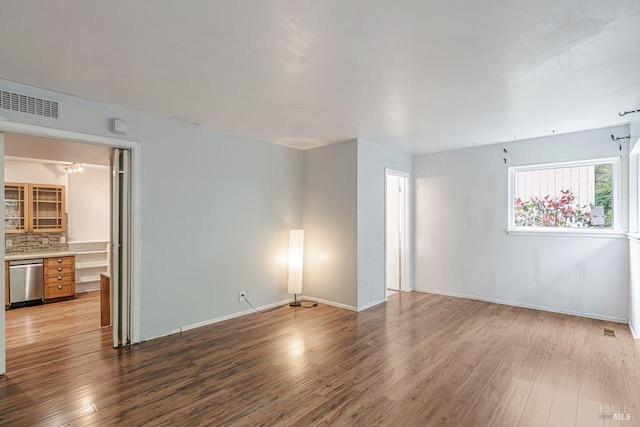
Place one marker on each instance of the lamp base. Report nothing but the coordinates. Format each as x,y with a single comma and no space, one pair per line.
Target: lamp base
295,302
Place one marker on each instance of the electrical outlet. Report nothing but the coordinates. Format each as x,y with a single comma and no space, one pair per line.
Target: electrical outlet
8,243
45,241
63,239
242,298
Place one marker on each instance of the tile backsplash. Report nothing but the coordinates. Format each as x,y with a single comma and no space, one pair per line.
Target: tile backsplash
26,243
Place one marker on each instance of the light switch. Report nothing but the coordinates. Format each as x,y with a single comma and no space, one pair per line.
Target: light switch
63,239
45,241
8,243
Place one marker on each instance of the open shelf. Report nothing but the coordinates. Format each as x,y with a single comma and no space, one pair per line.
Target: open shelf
87,265
93,252
88,279
92,259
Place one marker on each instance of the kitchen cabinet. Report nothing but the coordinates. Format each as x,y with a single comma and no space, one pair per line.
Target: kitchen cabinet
34,207
47,208
16,218
59,277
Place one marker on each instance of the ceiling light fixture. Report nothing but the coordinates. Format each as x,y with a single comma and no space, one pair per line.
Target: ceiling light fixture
74,167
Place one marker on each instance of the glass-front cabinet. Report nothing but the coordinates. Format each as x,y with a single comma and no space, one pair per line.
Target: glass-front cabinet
34,207
15,207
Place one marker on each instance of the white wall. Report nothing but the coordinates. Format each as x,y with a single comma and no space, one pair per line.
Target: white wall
372,161
35,173
330,223
344,221
215,208
89,204
76,114
461,247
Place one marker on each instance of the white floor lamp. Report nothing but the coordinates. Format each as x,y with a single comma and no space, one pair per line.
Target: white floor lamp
296,255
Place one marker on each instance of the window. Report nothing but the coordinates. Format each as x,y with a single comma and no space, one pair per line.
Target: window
574,195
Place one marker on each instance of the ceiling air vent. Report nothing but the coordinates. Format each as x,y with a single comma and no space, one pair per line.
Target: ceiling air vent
28,104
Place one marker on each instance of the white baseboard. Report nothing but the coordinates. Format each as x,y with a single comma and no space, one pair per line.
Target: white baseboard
233,315
518,304
371,304
80,290
327,302
633,333
219,319
245,312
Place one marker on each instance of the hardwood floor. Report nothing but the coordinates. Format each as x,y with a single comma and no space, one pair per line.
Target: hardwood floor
26,326
419,359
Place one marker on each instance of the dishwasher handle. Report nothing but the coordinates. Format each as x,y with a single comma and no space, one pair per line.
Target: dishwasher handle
34,261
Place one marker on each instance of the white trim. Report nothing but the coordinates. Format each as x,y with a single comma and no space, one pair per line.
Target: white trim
372,304
556,165
3,320
247,312
633,333
60,163
231,316
634,237
15,127
327,302
90,289
565,232
614,161
636,146
518,304
396,172
136,174
632,201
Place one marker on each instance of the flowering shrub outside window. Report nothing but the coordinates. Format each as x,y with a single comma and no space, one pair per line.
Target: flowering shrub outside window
579,195
552,212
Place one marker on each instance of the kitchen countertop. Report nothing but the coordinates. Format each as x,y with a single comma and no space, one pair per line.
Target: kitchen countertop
32,255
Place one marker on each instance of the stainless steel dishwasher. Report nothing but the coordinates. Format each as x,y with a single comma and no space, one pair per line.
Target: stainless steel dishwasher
26,280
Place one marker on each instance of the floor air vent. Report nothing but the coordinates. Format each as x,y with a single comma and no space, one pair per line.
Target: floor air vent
28,104
608,332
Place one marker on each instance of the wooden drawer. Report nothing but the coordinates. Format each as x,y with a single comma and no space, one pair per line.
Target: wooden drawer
59,291
59,270
62,261
68,279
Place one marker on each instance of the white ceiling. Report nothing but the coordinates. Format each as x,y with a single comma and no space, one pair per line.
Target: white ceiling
418,75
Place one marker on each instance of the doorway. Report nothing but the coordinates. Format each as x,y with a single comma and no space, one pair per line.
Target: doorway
93,259
396,232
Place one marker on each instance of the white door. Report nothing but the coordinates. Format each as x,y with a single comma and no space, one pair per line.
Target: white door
3,365
396,231
121,232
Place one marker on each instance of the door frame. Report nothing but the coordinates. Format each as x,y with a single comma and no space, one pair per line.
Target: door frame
135,148
407,241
